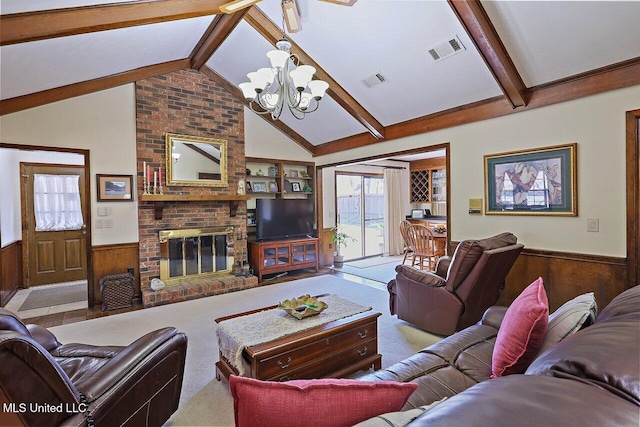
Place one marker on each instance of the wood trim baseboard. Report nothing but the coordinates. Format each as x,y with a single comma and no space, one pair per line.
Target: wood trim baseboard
113,259
10,271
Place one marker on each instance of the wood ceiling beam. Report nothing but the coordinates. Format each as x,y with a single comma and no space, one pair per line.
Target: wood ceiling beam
236,92
477,24
37,99
222,25
46,24
270,31
617,76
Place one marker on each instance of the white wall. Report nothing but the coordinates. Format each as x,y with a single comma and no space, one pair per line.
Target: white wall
103,122
264,140
596,123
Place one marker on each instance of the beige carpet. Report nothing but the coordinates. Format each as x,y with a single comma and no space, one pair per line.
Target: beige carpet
206,401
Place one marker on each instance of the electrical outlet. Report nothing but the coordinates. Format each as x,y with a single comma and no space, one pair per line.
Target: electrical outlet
108,223
99,224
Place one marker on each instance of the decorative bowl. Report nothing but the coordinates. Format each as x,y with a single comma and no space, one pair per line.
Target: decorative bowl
303,306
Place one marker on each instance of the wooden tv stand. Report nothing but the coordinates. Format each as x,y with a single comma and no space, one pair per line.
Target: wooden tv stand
277,256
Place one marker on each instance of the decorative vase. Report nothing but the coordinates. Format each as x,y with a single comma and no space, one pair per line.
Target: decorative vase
338,261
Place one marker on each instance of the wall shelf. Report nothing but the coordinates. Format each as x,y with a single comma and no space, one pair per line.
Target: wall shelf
160,199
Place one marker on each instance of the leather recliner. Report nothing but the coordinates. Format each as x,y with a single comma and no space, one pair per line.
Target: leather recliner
458,292
43,382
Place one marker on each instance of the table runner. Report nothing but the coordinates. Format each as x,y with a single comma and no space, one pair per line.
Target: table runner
234,335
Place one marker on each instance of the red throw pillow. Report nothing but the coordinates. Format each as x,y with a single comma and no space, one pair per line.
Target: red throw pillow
326,402
522,331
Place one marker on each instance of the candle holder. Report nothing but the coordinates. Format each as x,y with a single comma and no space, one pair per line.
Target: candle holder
145,188
160,189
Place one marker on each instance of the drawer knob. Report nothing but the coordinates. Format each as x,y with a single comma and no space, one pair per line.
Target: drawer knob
363,334
285,365
363,352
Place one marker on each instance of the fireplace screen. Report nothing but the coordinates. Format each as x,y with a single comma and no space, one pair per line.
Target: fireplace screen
195,252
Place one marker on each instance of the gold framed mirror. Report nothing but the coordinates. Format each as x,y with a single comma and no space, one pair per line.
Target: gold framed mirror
196,161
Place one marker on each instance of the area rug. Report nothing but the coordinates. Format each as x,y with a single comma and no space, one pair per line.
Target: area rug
206,401
382,273
374,261
57,295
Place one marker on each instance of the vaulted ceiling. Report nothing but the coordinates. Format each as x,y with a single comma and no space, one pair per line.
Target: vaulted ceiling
517,55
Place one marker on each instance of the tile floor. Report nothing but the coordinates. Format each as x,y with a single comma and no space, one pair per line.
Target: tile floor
18,299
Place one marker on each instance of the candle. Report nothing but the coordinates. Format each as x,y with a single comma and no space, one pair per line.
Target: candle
155,179
160,175
144,171
149,174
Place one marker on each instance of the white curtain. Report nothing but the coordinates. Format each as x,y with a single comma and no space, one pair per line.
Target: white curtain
393,214
56,202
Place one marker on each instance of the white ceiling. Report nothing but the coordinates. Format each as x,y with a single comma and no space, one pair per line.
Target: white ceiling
547,41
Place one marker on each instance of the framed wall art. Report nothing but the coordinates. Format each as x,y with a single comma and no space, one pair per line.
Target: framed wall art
115,188
260,187
540,181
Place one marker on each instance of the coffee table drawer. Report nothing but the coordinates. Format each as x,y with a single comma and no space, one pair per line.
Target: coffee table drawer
293,359
350,356
328,364
290,360
357,335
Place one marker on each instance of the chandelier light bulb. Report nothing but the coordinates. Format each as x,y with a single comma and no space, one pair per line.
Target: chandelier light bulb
300,79
318,88
247,90
278,58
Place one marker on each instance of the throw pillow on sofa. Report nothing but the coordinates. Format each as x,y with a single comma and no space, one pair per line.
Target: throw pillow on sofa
522,331
326,402
572,316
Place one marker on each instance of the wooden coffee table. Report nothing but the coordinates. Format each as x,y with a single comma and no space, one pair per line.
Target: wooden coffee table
333,350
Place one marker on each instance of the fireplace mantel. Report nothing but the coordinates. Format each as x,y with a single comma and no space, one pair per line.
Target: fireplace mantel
160,199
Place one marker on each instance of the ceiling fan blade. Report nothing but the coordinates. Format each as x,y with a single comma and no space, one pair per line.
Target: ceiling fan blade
236,5
341,2
291,16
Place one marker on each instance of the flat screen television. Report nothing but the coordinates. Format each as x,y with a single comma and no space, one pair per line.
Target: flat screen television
284,218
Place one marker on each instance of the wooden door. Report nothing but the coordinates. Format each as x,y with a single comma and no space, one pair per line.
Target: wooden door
52,256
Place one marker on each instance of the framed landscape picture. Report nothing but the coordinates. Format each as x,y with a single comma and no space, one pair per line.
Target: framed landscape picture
260,187
115,188
540,181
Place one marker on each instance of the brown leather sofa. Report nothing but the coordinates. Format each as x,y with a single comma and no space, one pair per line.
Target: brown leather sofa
461,288
591,378
43,382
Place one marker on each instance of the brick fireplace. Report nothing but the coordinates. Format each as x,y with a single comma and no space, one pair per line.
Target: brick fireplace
187,102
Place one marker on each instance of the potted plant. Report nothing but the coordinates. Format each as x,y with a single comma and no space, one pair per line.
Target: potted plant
339,239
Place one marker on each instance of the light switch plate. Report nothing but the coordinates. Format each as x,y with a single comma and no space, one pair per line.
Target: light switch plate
593,224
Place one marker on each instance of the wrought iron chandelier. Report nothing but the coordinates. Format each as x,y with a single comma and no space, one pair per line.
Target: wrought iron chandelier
285,83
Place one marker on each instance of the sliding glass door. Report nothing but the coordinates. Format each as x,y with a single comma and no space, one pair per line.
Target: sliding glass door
360,210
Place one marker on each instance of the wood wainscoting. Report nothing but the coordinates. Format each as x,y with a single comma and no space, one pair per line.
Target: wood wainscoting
113,259
10,271
566,275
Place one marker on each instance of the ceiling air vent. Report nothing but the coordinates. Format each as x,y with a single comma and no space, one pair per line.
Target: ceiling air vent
446,48
374,80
